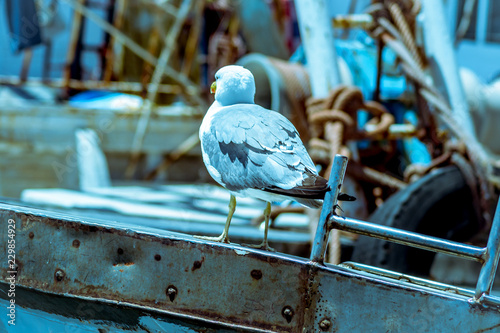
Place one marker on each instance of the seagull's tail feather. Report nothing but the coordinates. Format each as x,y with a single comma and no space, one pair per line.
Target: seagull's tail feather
317,203
311,203
312,187
311,193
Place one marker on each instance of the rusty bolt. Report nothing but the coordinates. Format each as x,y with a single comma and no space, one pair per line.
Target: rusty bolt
31,235
325,324
76,243
256,274
171,292
287,313
59,274
196,265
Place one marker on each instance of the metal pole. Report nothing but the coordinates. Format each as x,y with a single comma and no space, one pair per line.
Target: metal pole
408,238
316,33
439,50
487,274
329,203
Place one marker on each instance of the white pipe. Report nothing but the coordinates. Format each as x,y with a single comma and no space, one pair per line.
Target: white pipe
316,33
441,56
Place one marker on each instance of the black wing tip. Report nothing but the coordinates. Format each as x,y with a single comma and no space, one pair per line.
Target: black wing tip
297,192
345,197
307,193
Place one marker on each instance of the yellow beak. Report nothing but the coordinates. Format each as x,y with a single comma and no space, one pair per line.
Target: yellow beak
213,87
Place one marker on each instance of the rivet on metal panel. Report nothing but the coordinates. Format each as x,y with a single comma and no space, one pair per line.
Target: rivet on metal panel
76,243
256,274
59,274
157,257
120,250
197,264
171,292
325,324
287,313
31,235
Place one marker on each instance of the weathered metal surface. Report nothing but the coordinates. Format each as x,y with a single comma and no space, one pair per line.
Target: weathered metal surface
41,312
215,282
351,303
148,270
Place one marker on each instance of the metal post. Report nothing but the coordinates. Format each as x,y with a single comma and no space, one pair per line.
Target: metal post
335,182
439,50
487,274
316,33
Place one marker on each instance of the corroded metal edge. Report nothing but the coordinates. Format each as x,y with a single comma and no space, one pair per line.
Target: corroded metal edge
109,313
233,286
155,269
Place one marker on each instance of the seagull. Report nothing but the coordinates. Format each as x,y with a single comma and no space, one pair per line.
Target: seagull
255,152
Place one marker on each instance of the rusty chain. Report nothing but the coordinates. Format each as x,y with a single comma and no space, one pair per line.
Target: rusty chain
333,121
395,22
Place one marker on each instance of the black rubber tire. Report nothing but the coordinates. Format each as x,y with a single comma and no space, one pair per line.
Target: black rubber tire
438,204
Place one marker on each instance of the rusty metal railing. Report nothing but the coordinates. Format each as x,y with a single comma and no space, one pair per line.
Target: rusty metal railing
488,256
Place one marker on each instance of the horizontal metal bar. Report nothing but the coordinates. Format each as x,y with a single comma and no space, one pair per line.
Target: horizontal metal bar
408,278
490,300
484,298
408,238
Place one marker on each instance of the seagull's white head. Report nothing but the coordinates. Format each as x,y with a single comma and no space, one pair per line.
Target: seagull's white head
233,85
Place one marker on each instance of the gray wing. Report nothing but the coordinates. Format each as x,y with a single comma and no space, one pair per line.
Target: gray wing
252,147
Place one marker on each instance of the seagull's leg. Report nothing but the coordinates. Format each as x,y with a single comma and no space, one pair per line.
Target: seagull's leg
264,245
232,207
267,214
224,236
